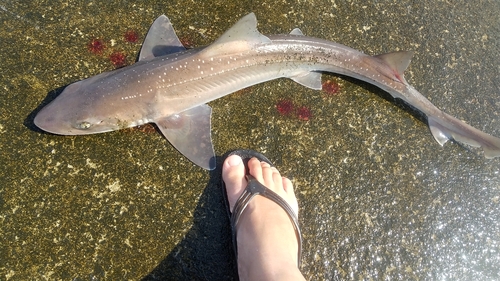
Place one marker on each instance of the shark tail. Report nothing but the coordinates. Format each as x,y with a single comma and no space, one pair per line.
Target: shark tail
446,127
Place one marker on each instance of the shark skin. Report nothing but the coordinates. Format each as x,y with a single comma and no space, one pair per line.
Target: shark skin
170,86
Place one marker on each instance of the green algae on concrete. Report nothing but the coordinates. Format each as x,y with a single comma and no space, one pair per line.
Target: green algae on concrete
379,198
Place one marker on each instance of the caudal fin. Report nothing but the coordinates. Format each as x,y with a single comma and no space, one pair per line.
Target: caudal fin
447,127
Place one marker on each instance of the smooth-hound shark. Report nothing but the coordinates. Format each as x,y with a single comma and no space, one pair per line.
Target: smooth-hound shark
170,86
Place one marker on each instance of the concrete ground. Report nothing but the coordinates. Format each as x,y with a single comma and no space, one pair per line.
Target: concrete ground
379,198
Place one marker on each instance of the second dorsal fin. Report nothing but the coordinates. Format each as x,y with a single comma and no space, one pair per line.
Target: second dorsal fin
397,61
240,37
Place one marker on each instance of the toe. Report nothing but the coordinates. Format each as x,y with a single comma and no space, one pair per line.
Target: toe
290,195
233,174
277,179
255,169
267,175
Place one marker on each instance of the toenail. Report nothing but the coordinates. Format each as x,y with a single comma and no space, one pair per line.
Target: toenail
234,160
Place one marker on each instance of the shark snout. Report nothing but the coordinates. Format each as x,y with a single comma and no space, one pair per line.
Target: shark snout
46,121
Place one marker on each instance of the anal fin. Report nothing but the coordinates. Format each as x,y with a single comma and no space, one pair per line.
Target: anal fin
310,80
437,131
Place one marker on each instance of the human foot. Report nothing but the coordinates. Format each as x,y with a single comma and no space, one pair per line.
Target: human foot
267,244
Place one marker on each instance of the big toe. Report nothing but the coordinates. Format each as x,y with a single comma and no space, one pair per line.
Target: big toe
233,175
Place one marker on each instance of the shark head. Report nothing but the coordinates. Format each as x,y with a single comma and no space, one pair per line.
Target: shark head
78,110
87,106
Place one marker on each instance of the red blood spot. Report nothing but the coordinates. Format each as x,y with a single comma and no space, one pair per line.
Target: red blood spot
131,36
96,46
284,107
331,87
118,59
304,113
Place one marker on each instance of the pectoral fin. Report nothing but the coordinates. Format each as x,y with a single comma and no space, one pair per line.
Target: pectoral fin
190,133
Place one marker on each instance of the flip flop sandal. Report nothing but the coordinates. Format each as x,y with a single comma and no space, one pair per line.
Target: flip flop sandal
252,189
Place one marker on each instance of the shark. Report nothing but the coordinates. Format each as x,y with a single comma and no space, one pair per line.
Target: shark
170,86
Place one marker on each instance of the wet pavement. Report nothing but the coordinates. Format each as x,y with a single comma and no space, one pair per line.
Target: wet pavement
379,198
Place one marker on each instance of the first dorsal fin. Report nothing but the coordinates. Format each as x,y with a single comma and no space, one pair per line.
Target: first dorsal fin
161,40
241,36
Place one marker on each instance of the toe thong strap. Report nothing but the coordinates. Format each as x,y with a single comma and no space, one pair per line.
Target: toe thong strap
256,188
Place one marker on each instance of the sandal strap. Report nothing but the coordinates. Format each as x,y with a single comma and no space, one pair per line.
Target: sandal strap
254,188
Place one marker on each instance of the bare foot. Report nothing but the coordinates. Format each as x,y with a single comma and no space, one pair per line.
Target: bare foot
267,244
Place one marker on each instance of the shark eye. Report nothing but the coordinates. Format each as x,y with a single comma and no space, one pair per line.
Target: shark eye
84,125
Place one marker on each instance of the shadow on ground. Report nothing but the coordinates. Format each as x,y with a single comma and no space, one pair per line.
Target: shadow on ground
206,251
29,121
